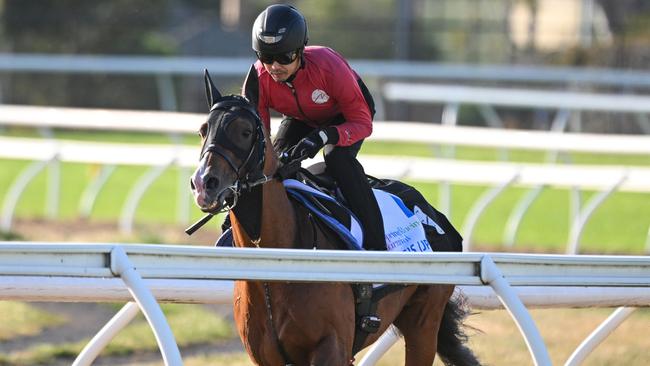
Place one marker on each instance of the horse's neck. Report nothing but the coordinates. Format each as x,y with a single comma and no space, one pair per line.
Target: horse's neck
267,214
278,217
265,211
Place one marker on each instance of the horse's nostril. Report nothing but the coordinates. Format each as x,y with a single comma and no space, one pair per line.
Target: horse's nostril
192,186
211,183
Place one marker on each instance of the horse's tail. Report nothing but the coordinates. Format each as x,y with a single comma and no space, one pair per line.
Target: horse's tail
451,336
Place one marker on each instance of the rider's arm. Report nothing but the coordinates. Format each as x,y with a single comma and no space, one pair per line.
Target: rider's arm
343,84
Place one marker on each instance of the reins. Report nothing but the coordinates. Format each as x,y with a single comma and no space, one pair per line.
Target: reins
240,186
274,332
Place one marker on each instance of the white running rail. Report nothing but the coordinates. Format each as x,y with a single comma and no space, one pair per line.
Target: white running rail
92,272
175,122
237,66
516,97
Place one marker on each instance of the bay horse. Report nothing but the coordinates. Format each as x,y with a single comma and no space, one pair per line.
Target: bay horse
302,323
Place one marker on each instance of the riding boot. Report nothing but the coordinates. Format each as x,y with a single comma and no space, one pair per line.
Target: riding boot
352,182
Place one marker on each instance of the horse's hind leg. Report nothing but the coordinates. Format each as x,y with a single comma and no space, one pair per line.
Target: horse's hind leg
419,322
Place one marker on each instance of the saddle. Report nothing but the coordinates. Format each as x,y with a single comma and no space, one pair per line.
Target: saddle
323,198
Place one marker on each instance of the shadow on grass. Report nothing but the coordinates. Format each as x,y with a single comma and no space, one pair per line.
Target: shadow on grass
10,236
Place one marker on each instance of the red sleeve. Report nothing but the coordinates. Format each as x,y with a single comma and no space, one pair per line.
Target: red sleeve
346,91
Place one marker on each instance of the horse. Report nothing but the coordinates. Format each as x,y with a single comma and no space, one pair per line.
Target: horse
302,323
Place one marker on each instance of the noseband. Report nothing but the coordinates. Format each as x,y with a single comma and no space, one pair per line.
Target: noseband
250,172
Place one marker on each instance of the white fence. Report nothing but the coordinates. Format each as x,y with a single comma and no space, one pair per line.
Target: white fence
237,66
569,104
500,175
151,273
517,97
176,123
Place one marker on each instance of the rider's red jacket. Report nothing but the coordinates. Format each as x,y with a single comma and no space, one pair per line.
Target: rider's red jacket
324,87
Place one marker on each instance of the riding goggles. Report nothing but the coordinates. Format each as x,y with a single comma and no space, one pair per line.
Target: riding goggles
281,58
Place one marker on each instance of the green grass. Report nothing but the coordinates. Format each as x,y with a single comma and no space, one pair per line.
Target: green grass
18,319
501,343
157,205
191,324
619,225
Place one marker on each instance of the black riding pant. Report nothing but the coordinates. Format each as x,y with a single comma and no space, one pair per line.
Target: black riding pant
342,164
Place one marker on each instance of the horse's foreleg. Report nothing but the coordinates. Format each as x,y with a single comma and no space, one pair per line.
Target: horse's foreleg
331,351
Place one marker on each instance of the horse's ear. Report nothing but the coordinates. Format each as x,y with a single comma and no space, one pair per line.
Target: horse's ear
251,86
211,91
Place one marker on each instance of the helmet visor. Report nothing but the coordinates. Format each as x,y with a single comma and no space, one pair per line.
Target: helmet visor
282,58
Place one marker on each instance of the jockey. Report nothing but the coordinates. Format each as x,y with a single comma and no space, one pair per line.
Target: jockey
325,104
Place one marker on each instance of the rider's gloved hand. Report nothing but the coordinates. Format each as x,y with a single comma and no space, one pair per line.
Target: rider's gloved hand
312,143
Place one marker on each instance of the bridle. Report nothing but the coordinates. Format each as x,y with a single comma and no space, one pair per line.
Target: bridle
250,172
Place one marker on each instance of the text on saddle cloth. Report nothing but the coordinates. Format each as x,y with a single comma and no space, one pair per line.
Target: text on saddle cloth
403,227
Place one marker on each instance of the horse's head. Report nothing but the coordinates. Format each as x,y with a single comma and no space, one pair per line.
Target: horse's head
232,156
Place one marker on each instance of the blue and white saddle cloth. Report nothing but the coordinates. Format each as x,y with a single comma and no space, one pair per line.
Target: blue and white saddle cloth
403,227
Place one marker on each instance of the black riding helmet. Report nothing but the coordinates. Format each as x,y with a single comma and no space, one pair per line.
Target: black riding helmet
279,29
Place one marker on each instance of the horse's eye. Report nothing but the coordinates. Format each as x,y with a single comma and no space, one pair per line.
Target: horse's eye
247,133
203,131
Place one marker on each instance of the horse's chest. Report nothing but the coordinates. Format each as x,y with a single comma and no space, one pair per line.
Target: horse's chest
299,314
